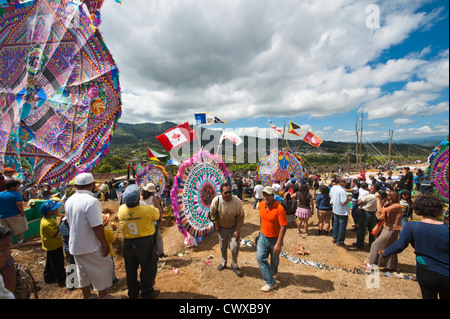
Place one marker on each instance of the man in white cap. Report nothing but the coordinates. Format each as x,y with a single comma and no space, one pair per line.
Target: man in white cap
87,242
273,228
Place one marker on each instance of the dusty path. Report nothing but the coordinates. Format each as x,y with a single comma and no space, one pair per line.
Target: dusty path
198,278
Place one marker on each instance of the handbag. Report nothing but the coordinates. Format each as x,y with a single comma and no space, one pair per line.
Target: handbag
376,231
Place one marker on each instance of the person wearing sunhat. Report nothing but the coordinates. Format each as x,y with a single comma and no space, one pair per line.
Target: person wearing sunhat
273,228
139,244
149,197
87,242
8,172
52,242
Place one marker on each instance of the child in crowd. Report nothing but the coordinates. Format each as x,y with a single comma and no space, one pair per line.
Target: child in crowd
53,243
65,230
110,236
406,203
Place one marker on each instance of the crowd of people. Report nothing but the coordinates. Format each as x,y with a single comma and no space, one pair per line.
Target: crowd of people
80,255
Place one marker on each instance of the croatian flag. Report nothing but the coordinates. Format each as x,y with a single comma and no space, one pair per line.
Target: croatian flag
207,119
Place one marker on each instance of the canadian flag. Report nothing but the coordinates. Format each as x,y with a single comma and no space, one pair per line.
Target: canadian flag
177,136
312,139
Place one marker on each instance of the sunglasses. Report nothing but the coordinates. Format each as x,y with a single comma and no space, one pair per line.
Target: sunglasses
227,193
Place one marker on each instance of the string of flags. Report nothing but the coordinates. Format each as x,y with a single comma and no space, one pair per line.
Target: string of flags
207,119
183,133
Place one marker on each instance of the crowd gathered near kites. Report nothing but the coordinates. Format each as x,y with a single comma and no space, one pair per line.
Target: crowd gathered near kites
60,100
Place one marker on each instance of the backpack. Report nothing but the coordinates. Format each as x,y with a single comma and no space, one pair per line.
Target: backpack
25,284
290,206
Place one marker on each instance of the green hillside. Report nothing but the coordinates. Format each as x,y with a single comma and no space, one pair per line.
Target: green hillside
130,143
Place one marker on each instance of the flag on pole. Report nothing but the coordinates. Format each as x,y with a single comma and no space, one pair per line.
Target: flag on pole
207,119
232,137
153,155
276,129
312,139
295,129
177,136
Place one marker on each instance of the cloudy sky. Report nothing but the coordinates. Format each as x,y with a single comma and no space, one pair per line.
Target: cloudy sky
317,63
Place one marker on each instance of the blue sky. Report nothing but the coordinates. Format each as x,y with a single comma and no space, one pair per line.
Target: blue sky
315,62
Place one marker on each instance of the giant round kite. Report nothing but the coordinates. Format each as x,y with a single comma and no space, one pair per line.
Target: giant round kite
279,165
439,169
155,174
196,184
59,89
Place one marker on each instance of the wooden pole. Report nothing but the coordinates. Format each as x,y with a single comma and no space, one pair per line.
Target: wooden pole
360,141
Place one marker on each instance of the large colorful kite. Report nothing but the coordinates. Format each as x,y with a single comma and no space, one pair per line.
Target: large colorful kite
155,174
59,89
439,169
196,184
279,165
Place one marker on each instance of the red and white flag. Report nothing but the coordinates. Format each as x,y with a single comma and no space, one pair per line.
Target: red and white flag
312,139
232,137
177,136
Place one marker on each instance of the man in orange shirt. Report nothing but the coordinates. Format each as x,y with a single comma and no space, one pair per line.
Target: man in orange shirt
273,229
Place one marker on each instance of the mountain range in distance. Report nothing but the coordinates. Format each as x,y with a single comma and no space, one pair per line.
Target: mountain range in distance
126,133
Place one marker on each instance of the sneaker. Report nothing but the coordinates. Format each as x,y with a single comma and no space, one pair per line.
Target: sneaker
109,296
155,294
221,267
93,296
238,271
267,288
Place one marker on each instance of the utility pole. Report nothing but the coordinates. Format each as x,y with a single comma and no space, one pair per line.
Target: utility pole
391,135
360,141
357,144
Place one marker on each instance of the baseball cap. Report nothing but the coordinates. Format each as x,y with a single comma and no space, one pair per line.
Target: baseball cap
131,194
49,206
84,179
150,187
269,190
8,169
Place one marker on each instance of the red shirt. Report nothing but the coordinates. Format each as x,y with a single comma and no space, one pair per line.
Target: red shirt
272,219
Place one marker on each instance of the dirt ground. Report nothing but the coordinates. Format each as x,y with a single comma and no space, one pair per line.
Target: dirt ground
198,278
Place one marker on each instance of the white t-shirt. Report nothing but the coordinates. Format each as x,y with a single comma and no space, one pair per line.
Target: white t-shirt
338,196
258,191
83,212
5,293
363,193
276,187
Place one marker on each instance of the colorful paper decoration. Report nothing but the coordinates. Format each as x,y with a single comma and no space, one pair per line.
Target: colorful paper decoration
155,174
59,89
196,184
279,165
439,169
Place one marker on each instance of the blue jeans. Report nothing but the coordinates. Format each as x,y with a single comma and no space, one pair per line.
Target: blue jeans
256,202
339,228
264,249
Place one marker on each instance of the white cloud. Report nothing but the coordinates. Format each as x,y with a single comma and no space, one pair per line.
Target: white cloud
267,58
403,122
